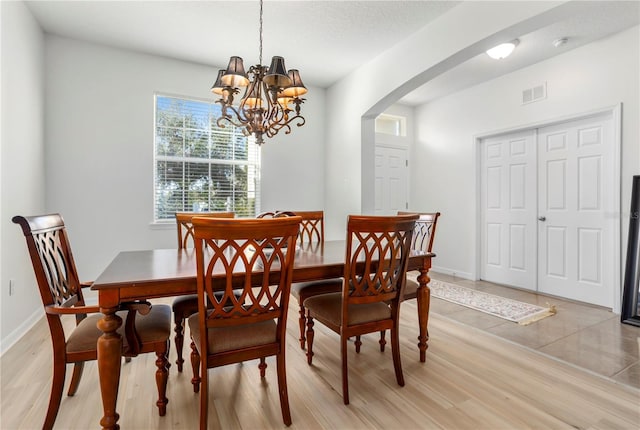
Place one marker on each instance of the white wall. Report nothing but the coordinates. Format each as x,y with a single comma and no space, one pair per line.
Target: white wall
22,173
293,164
595,76
99,143
355,100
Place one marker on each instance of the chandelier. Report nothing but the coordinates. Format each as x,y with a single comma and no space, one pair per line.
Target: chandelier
271,100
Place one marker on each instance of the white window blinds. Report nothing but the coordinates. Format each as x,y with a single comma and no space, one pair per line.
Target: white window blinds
199,166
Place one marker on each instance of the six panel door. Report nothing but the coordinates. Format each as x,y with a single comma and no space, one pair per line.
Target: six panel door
576,227
508,199
391,180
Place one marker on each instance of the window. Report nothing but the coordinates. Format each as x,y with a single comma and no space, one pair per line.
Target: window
391,124
200,166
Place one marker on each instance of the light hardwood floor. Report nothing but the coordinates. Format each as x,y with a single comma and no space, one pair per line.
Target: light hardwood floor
588,336
471,380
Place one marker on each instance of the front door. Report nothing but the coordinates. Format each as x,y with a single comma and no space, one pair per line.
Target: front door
391,180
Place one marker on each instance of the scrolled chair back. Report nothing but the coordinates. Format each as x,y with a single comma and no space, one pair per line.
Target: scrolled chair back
311,233
378,248
52,260
425,231
185,228
257,256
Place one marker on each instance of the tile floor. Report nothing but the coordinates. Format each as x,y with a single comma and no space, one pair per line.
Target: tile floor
587,336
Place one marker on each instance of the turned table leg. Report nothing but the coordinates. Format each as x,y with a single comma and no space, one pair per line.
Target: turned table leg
109,356
424,300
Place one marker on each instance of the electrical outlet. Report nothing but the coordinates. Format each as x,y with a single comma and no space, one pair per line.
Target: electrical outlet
12,285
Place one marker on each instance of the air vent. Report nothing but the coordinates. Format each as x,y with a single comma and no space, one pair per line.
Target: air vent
534,94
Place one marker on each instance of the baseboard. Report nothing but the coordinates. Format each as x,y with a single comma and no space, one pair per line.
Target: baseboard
452,272
21,330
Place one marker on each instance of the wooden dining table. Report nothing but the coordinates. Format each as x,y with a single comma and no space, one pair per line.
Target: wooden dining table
142,275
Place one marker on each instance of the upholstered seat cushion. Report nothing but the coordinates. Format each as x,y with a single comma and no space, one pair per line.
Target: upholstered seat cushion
308,289
410,289
329,307
188,305
153,327
182,303
222,339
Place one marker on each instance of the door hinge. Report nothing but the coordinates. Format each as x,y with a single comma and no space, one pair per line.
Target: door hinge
406,205
406,163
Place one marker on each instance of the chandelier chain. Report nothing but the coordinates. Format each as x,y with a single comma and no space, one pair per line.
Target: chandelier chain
260,59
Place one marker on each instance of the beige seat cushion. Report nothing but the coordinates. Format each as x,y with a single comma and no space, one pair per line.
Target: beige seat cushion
410,289
154,327
236,337
329,308
308,289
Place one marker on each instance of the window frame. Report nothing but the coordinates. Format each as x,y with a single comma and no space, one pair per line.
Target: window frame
254,160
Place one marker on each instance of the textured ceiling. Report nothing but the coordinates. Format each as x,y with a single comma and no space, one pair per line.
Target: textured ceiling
325,40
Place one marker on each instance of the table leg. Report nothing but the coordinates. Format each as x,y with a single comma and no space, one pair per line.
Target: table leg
109,356
424,300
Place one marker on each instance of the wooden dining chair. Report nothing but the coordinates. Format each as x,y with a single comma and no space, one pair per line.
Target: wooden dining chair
257,256
311,226
267,214
377,254
274,214
146,329
185,306
311,235
423,236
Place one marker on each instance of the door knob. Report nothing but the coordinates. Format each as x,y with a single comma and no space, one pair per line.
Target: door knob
542,218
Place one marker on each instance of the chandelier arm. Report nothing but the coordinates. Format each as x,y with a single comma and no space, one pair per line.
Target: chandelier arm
276,121
276,113
241,122
276,127
272,131
302,120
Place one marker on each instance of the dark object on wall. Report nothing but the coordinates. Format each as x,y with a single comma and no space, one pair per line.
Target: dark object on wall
630,311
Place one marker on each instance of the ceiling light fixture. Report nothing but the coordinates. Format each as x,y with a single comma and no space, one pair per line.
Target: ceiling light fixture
271,100
503,50
559,42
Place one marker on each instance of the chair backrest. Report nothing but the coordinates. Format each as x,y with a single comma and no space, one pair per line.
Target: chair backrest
311,226
377,255
53,266
276,214
257,256
425,230
185,229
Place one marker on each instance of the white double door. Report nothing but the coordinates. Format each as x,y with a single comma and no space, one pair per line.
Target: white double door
547,210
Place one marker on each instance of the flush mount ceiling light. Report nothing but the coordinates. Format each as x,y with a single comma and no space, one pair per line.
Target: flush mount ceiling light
503,50
271,100
559,42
